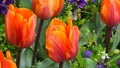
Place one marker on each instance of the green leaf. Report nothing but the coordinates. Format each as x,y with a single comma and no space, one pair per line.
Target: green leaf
116,39
41,48
91,64
91,29
26,58
47,63
44,27
26,4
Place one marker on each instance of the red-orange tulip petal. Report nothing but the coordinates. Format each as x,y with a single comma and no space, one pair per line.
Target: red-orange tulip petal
45,9
56,7
62,40
110,12
20,26
6,62
56,46
55,25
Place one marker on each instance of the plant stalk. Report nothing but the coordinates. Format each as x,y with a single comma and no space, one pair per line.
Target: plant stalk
18,58
107,42
37,41
61,65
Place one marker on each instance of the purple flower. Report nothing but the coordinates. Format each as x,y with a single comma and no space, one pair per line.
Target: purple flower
73,1
100,64
93,1
88,54
118,63
81,3
4,4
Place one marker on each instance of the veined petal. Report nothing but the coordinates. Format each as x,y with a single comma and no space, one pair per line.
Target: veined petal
56,45
56,6
56,24
74,38
9,27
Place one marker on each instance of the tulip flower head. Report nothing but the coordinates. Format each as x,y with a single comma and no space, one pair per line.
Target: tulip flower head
110,12
20,26
62,40
45,9
6,62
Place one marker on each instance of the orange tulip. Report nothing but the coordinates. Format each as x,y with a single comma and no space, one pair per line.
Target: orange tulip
45,9
62,40
110,12
20,26
6,62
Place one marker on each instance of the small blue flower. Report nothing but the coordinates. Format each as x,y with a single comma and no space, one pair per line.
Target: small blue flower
88,54
4,4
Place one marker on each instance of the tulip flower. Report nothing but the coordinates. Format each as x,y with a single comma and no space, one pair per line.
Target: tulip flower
20,26
45,9
6,62
110,12
62,40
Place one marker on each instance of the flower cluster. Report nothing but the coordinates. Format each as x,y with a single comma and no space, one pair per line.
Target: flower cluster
4,4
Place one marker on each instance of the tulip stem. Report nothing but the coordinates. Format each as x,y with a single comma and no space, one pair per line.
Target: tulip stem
18,58
61,65
37,41
107,43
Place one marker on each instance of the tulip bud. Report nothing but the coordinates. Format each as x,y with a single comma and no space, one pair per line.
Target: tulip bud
45,9
6,62
110,13
62,40
20,26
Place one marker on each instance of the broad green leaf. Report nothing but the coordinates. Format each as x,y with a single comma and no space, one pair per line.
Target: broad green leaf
47,63
26,58
91,64
26,4
116,39
41,48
